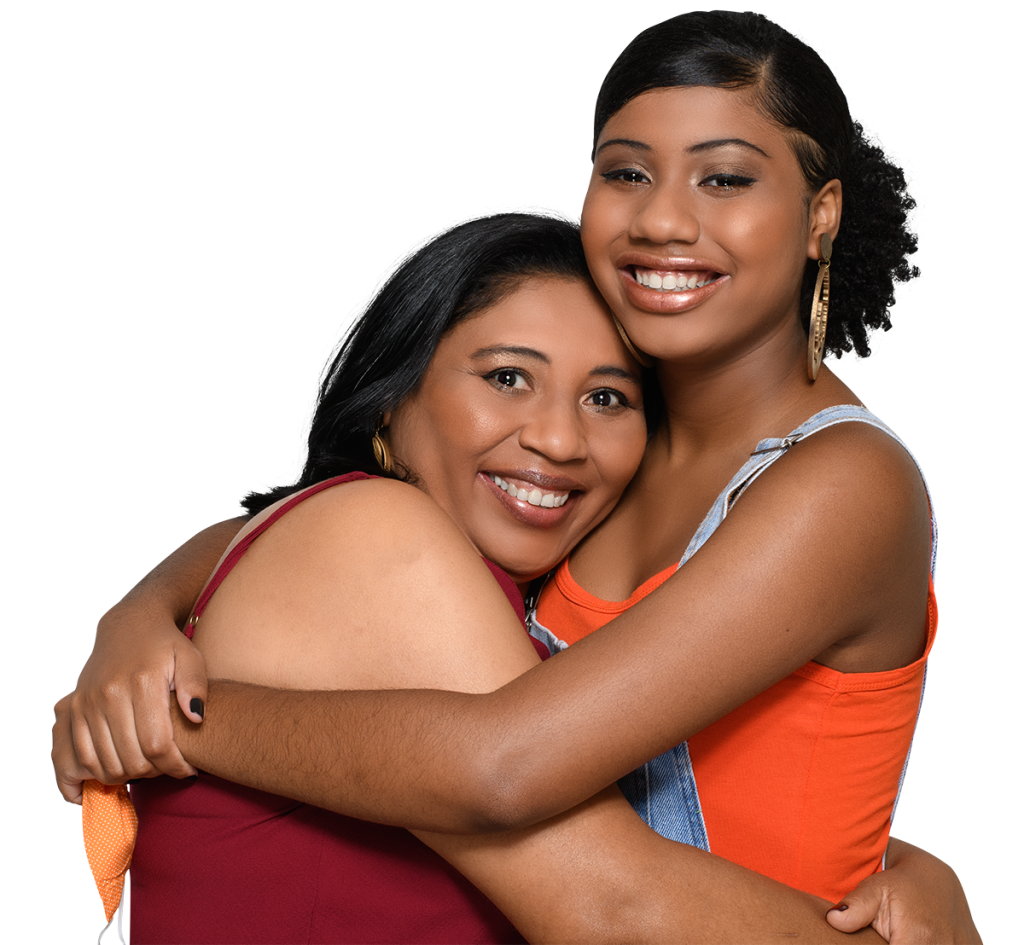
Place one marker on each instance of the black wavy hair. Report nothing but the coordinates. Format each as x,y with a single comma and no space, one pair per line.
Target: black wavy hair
383,358
794,88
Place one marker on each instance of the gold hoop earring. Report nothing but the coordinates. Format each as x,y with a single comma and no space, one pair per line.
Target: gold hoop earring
643,359
381,453
819,310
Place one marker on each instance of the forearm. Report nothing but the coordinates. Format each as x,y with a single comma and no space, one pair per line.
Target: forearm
598,874
288,742
691,896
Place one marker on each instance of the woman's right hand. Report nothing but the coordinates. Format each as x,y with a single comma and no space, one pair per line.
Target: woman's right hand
116,725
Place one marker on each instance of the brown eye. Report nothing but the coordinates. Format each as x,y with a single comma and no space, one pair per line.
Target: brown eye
727,181
608,398
627,175
508,378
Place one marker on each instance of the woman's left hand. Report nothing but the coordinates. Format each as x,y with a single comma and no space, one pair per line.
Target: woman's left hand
917,900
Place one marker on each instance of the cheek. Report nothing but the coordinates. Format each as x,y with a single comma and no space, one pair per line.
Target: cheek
617,457
599,221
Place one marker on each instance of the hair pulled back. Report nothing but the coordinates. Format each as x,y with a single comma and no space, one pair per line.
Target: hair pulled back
794,88
383,358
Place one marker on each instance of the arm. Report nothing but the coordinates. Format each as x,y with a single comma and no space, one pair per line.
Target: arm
114,726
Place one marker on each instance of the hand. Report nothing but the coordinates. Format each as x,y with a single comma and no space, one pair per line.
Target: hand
918,900
116,725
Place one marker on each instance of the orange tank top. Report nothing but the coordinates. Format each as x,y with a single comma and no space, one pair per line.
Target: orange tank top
800,782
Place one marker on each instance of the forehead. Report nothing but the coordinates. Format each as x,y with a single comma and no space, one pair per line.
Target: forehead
681,118
543,304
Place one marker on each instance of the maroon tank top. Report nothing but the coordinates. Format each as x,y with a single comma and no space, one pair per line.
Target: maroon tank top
216,862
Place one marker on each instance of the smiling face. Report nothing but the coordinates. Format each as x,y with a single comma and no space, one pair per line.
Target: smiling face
527,425
698,224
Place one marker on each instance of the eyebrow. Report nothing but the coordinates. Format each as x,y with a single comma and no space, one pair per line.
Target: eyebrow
602,370
725,143
693,149
511,349
613,370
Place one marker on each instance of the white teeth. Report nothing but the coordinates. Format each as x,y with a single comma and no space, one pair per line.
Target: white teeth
670,281
534,496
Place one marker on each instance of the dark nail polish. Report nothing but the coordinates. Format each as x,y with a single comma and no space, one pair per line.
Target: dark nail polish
842,907
196,705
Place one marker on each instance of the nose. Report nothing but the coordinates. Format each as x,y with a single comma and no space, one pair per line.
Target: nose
667,214
555,429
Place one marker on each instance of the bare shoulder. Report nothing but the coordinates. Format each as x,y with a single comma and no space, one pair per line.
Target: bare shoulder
846,513
855,471
394,507
378,530
368,584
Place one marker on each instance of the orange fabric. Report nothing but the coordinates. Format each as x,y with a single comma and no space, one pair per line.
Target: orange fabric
571,612
109,826
800,782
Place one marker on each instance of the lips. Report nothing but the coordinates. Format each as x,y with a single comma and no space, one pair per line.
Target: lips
669,286
532,497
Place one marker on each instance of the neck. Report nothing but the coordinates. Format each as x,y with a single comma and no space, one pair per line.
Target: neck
764,392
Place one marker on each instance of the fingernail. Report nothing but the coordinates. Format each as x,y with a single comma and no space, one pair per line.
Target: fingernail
842,907
196,705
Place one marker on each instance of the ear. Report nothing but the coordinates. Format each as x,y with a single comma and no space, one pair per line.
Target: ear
385,421
825,211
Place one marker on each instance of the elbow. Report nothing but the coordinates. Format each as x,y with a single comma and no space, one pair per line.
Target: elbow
500,793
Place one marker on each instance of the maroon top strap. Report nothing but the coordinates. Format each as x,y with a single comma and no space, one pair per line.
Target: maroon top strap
234,555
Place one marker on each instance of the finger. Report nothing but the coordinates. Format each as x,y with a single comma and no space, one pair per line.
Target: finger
68,772
859,910
155,733
95,749
190,680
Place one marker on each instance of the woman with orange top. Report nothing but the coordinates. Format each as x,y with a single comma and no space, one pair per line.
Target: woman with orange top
761,646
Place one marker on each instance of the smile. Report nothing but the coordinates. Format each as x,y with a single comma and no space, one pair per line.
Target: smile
532,495
672,280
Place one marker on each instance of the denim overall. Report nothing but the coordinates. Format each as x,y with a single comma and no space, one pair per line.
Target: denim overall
663,791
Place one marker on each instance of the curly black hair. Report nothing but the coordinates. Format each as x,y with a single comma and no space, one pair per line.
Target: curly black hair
794,88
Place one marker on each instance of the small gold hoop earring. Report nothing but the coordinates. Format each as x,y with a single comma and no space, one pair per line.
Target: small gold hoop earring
643,359
381,453
819,310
